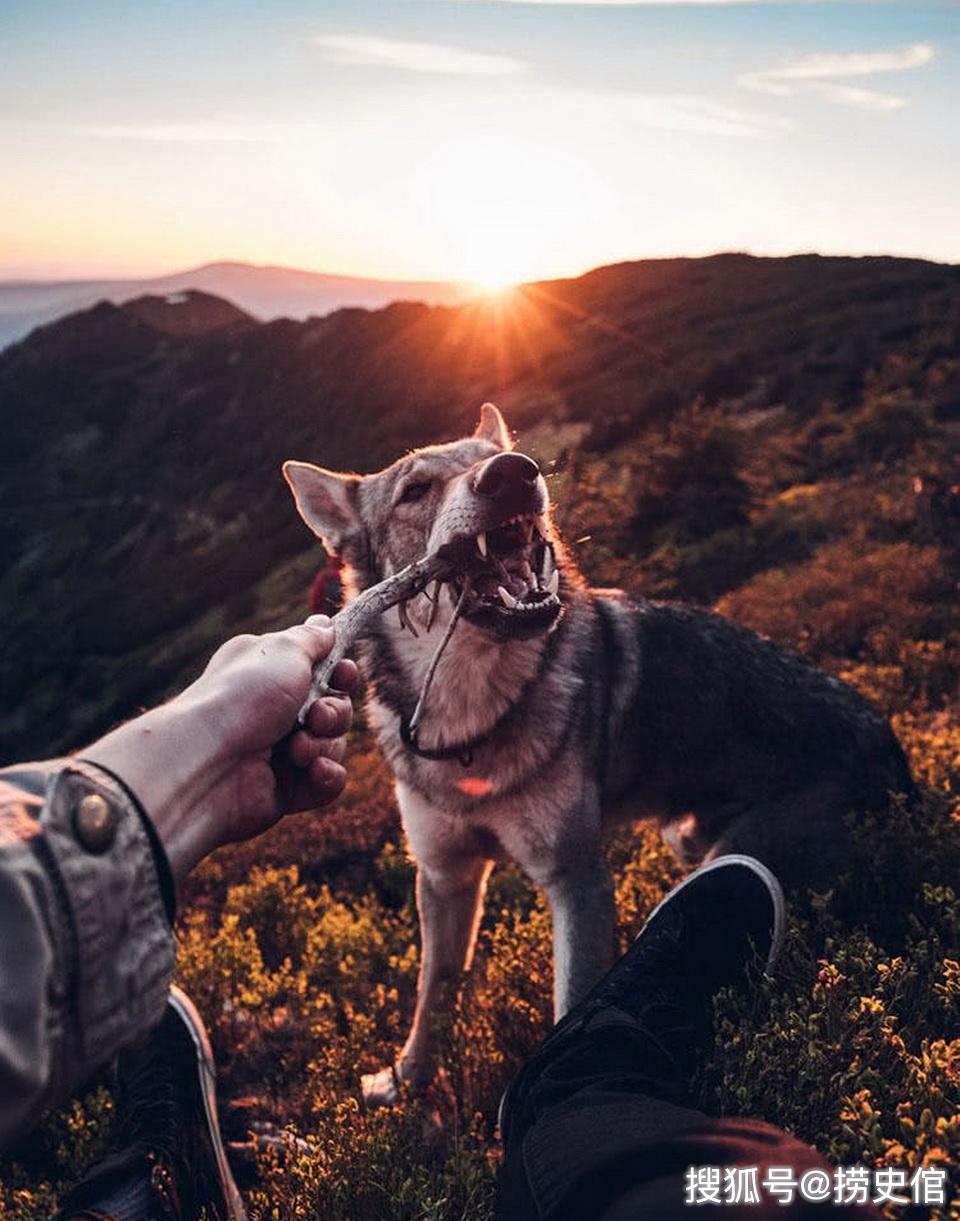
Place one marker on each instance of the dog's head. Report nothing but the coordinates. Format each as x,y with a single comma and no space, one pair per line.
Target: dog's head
479,501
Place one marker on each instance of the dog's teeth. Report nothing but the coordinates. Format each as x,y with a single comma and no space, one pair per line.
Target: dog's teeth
507,598
553,583
543,524
482,543
548,566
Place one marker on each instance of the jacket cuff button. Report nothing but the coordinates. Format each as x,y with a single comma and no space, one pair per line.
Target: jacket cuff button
95,823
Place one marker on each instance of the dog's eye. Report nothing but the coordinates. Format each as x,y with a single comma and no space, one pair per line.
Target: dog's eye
415,491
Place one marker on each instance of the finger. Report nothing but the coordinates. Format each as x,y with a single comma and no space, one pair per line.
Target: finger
327,778
303,748
316,639
346,677
333,748
330,717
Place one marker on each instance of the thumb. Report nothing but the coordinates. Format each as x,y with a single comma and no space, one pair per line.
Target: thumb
315,637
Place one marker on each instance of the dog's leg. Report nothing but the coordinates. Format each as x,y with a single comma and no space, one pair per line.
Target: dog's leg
800,836
685,839
449,905
582,906
451,880
560,849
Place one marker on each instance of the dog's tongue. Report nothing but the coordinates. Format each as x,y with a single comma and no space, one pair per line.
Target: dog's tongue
516,585
488,583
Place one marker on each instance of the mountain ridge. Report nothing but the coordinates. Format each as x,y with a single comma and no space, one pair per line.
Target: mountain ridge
264,290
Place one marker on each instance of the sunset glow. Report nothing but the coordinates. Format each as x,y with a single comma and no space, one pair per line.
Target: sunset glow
487,143
492,265
494,284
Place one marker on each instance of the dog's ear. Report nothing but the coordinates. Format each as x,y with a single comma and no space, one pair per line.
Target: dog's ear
326,500
493,427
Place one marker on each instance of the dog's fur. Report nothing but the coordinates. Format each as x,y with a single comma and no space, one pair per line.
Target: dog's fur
623,708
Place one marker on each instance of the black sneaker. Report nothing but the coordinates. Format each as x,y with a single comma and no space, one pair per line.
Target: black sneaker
705,935
166,1160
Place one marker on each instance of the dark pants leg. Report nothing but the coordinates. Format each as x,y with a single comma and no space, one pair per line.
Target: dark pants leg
604,1133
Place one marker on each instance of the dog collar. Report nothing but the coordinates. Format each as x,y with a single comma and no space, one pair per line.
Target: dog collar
463,752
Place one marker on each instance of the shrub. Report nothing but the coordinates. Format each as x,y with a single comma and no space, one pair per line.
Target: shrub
854,1049
691,482
850,600
889,427
704,570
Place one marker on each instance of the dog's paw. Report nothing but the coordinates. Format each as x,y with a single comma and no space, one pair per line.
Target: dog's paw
381,1089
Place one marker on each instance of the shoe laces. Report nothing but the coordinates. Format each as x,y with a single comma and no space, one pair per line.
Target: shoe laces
148,1110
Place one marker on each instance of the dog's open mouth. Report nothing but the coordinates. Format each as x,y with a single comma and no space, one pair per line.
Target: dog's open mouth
504,579
510,577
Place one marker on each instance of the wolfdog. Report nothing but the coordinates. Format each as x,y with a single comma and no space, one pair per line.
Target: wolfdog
556,709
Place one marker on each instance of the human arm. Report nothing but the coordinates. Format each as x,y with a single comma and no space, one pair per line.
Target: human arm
86,952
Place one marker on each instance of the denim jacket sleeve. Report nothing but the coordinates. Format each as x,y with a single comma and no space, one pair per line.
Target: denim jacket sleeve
86,947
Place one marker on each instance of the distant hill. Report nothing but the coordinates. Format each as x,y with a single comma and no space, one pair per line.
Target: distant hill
143,516
266,292
186,313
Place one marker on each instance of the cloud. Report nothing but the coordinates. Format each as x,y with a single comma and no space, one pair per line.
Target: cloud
212,132
863,99
680,112
676,112
436,57
819,74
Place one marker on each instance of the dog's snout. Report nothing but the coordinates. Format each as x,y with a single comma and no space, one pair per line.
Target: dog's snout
506,473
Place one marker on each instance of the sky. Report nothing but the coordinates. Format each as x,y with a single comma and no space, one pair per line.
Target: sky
481,140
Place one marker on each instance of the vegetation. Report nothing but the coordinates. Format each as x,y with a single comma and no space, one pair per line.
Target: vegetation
301,950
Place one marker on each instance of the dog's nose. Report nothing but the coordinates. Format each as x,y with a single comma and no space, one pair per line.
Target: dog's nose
506,473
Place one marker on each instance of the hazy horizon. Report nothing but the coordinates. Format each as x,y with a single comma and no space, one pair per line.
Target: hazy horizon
161,273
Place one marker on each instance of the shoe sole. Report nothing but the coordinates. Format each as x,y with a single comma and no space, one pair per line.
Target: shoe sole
191,1020
766,876
774,888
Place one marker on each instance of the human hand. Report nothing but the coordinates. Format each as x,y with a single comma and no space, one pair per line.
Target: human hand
258,685
224,761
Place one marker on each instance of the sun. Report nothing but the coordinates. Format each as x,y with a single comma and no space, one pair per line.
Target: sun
490,262
492,285
492,279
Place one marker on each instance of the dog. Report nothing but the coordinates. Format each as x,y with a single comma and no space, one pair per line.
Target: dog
557,709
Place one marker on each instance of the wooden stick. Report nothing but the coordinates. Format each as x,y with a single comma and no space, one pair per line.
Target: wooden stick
353,621
432,668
